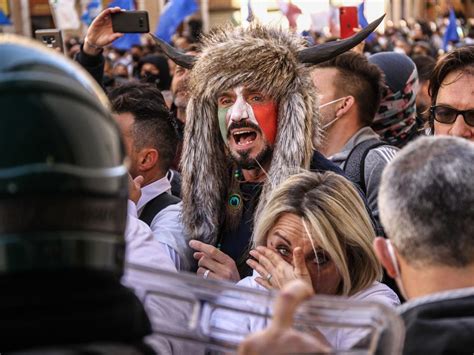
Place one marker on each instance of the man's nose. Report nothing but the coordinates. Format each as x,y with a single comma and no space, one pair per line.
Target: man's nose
239,111
461,129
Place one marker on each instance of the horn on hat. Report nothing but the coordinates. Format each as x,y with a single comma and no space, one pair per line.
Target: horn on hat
321,53
183,60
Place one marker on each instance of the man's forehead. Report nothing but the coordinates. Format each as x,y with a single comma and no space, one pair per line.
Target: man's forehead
242,90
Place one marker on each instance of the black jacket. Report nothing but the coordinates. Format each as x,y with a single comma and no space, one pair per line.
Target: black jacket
441,323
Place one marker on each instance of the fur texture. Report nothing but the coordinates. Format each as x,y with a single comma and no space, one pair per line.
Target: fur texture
264,59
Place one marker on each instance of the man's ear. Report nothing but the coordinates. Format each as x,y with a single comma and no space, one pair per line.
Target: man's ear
147,159
345,105
381,250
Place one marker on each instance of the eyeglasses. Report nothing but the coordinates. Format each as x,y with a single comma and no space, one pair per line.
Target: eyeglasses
444,114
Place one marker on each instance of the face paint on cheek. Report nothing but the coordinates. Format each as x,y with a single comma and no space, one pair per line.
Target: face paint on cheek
222,116
266,116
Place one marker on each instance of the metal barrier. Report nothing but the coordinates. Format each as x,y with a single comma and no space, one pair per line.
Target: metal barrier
191,309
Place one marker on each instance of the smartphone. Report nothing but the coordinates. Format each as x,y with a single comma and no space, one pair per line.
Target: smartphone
51,38
348,20
130,22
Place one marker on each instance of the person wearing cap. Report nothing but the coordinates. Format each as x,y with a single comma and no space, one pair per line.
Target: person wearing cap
252,121
396,120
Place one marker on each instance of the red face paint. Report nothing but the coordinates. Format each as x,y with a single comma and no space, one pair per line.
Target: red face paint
266,115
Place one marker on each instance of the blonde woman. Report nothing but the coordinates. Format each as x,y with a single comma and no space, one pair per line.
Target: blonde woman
315,227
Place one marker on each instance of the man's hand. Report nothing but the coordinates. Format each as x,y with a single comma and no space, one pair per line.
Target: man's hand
213,263
100,33
280,337
135,188
275,272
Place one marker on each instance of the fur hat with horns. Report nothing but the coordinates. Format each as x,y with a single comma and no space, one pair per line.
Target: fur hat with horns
269,60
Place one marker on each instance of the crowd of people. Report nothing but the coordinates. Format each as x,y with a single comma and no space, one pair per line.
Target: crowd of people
243,156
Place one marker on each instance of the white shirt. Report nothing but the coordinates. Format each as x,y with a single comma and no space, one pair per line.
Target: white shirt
142,248
341,339
166,226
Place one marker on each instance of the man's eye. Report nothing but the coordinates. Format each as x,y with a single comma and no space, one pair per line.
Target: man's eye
225,101
256,98
283,251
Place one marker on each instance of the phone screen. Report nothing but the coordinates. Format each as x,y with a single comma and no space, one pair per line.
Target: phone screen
130,22
348,20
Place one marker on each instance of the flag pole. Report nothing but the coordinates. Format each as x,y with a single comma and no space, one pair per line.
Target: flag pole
205,15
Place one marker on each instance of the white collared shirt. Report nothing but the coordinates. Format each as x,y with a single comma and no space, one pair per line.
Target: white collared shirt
166,226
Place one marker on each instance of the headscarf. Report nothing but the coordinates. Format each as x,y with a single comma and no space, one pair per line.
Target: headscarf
396,121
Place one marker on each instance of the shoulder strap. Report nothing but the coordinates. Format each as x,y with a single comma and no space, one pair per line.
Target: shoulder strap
156,205
355,162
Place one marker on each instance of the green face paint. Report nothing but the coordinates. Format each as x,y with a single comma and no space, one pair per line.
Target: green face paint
222,114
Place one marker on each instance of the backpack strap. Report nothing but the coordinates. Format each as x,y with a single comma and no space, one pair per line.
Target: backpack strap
355,162
156,205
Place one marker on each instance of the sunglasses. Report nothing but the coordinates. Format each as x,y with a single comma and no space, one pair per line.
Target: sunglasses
444,114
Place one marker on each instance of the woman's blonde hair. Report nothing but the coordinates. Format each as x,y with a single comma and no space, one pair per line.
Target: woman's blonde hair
335,217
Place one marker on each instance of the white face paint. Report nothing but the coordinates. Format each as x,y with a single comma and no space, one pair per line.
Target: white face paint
240,110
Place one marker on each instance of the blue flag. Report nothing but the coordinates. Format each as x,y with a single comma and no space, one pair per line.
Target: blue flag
129,39
363,21
93,8
250,16
174,12
4,20
451,33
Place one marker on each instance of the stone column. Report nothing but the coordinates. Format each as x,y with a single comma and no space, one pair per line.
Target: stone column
396,11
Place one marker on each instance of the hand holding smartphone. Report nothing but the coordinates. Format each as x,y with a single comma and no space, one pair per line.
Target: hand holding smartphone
130,22
348,20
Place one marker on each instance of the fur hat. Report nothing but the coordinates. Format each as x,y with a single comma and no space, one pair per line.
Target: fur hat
266,59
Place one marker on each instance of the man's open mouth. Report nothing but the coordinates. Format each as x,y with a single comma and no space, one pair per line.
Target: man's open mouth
244,137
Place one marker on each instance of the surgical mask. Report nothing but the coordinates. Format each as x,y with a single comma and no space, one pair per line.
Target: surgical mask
391,253
335,118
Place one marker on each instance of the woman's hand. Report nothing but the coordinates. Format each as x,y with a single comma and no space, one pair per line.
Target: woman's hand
100,32
275,272
213,263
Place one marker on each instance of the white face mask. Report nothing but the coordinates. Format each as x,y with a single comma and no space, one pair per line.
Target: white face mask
398,278
327,104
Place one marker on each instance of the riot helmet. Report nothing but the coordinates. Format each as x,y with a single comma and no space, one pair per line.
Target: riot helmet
63,182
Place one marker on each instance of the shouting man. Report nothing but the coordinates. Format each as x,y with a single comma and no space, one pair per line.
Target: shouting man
251,121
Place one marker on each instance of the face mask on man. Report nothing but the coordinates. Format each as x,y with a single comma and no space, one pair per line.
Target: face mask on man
330,123
151,78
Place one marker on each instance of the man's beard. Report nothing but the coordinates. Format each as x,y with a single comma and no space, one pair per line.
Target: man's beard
243,159
180,95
